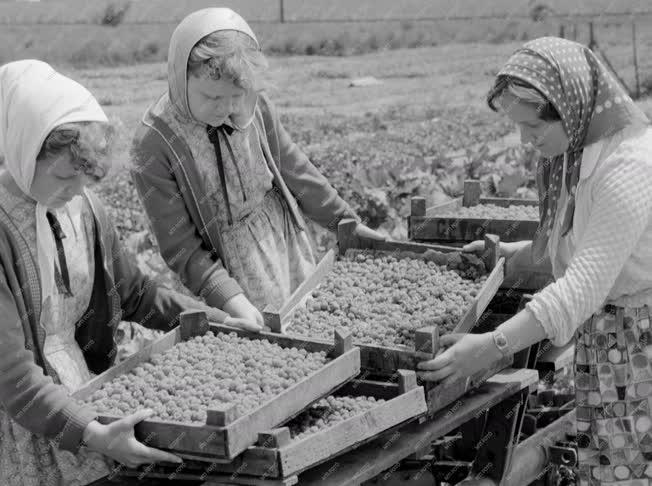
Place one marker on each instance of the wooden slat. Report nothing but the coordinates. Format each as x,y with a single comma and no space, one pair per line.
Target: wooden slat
452,229
186,440
215,478
444,208
369,460
244,431
472,193
509,201
418,206
524,377
302,454
481,301
161,345
277,320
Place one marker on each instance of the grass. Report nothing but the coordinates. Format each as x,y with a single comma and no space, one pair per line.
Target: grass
171,11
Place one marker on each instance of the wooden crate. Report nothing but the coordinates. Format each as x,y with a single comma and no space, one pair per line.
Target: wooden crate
277,457
223,436
384,361
424,224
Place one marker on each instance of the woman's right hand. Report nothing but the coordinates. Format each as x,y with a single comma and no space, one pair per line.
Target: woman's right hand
507,249
117,441
239,307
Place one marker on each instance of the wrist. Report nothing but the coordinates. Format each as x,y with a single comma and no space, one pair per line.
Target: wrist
91,434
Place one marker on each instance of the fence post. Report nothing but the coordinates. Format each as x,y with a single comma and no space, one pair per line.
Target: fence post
282,11
638,82
562,31
591,37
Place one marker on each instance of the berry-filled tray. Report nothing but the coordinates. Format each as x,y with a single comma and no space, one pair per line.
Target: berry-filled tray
213,388
359,411
470,217
395,298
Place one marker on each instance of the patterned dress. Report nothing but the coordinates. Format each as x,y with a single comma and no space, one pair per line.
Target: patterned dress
262,249
613,380
27,459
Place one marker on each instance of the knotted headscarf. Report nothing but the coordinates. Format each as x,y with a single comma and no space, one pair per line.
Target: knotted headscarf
592,106
34,100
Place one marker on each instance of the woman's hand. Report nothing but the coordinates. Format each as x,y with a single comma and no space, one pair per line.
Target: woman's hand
239,307
507,249
366,232
465,355
246,324
117,441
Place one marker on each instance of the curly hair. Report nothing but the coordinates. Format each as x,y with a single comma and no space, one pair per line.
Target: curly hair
89,144
228,54
524,92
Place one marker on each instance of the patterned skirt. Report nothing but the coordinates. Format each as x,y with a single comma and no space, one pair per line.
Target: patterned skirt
613,380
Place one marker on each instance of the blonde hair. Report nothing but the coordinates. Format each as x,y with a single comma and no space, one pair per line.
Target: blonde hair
524,92
228,54
89,144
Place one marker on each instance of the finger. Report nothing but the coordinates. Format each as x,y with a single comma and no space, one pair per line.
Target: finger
438,362
447,340
474,246
259,319
133,419
148,455
249,325
438,375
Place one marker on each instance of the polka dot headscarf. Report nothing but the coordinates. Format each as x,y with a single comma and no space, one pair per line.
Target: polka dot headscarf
592,106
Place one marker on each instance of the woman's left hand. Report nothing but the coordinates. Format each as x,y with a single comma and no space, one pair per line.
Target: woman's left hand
465,355
365,231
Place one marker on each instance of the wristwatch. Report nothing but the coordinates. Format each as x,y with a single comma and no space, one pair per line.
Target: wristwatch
500,340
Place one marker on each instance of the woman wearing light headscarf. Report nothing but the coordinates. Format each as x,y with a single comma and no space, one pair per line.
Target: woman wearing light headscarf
223,184
594,181
65,284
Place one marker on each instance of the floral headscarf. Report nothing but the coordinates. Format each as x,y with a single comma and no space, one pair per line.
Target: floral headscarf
592,106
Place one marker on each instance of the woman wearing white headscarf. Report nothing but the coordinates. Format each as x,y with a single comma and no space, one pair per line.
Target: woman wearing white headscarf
65,284
225,187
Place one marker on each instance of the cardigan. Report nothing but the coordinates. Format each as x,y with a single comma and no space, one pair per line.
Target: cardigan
30,390
611,239
183,221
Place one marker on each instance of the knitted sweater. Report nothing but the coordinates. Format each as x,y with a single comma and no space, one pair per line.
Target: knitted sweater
610,259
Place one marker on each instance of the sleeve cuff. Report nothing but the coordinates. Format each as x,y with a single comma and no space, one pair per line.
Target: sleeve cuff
218,293
77,417
540,312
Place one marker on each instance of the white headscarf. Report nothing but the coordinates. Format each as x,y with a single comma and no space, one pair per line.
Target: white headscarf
188,33
34,100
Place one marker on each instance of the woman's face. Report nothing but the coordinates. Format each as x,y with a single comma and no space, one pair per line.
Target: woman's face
549,137
57,181
213,101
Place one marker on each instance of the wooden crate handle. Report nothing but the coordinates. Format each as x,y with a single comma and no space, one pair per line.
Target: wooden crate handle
343,341
193,323
220,416
491,250
275,438
472,193
346,237
426,342
407,380
418,206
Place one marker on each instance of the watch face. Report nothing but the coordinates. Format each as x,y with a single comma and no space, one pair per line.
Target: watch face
501,340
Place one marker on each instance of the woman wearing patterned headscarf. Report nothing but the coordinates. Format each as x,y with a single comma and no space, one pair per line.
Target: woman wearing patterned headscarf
594,181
